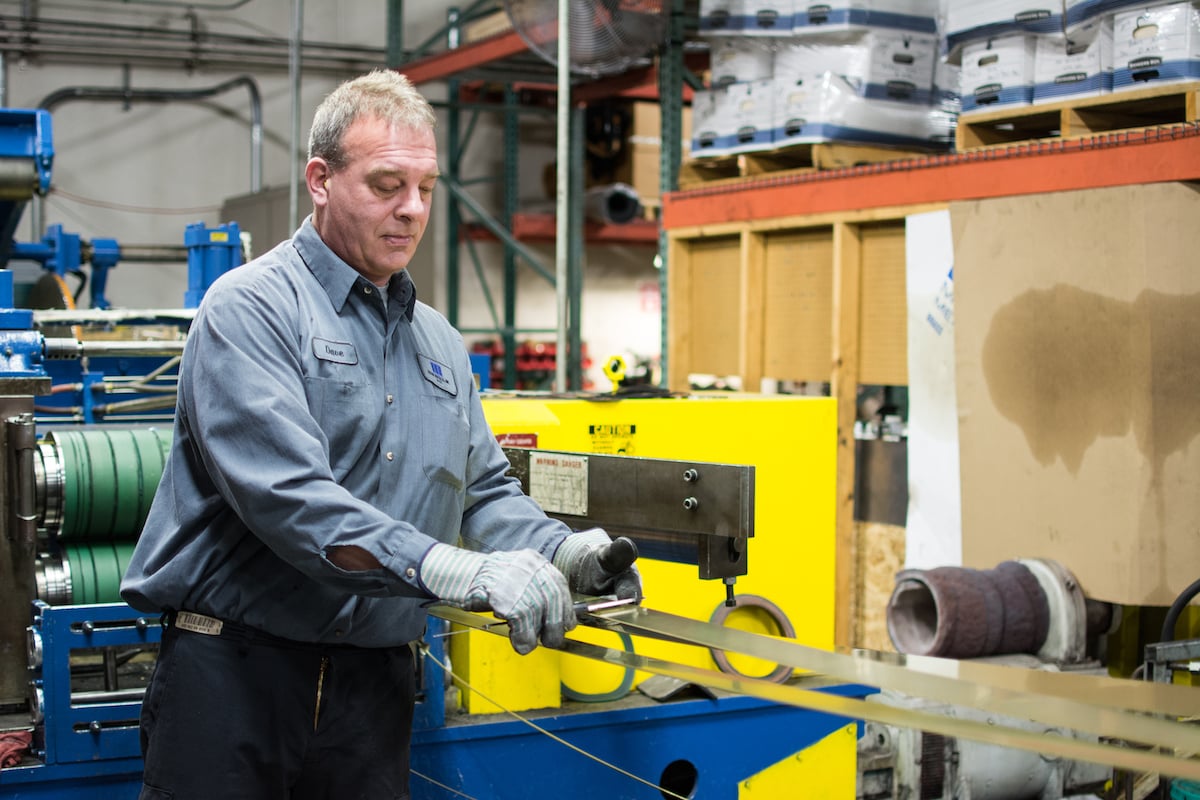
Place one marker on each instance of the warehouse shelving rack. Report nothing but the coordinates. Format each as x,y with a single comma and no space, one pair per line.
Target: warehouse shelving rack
503,60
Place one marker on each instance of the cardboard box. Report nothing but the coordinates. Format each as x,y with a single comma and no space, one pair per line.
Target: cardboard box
998,72
1077,325
641,164
816,18
745,17
1156,45
973,20
732,119
1062,70
738,59
881,64
823,107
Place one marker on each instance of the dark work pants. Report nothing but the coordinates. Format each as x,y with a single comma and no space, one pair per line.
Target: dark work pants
235,717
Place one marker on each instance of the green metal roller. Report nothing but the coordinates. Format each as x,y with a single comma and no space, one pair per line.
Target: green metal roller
94,571
97,484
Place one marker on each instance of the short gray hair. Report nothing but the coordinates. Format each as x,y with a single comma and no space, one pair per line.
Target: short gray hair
383,94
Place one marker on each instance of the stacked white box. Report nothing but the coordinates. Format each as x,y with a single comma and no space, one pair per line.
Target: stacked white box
736,118
1156,45
745,17
739,59
997,72
1077,13
824,107
880,64
1062,69
976,20
812,17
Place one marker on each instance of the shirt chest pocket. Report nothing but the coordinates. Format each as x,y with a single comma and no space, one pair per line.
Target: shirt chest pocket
348,412
445,440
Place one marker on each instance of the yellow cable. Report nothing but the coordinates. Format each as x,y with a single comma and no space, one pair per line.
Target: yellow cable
540,729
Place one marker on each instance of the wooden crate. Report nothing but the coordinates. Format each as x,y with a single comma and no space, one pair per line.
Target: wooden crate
1126,110
786,160
819,299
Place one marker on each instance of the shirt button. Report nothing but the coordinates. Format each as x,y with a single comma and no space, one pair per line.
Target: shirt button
390,398
389,456
410,573
366,290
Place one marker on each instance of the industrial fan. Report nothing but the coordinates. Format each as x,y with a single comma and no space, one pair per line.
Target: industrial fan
606,36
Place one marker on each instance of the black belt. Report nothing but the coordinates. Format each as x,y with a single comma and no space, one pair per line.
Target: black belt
205,625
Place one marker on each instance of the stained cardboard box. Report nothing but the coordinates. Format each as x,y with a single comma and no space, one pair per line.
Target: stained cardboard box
1078,371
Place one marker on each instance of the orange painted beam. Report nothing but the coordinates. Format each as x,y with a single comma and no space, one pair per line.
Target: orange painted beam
452,62
1163,154
543,228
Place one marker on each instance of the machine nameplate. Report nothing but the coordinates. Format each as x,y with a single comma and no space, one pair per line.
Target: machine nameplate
559,482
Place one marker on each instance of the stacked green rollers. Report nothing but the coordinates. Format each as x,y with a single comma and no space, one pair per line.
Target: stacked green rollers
108,480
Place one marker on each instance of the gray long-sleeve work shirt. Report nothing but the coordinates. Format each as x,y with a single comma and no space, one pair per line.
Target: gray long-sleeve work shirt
310,417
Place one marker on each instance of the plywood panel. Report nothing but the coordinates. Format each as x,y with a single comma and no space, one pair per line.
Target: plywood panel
714,299
883,336
798,307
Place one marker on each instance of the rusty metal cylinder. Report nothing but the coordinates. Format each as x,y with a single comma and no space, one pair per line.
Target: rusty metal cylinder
957,612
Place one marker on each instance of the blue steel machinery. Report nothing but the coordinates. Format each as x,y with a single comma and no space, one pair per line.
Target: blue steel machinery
79,399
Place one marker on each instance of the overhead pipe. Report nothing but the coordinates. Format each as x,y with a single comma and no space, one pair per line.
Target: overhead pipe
69,41
129,94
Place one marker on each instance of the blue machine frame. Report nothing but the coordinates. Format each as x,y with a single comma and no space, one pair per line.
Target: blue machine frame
89,750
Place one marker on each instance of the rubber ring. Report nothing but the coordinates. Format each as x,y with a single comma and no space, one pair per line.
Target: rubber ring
782,672
605,697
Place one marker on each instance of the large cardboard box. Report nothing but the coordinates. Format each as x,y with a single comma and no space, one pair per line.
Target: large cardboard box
1077,320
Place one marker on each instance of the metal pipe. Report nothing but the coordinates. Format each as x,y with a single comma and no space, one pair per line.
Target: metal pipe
22,442
116,696
294,74
126,95
188,4
152,253
563,187
74,348
93,43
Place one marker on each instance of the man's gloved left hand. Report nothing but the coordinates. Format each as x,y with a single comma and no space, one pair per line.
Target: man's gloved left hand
597,565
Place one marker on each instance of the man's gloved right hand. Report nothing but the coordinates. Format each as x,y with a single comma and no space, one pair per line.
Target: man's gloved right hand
521,586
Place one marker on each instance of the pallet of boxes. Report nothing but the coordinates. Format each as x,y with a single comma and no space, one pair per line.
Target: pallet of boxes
821,86
1058,69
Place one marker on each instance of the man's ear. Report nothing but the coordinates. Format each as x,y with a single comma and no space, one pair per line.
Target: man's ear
316,176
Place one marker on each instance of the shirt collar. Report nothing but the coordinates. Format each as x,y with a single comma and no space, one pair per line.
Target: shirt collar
338,278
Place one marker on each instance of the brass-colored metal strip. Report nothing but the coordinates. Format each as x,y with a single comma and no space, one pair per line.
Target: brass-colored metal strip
1076,702
1050,742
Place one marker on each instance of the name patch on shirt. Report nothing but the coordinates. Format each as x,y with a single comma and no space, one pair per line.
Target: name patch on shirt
438,374
337,352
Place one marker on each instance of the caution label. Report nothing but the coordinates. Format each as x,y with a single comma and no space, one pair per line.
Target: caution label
613,439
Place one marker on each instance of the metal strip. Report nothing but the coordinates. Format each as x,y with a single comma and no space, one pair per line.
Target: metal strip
863,667
1097,705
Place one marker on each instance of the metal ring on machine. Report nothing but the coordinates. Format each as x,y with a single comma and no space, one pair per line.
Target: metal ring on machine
623,689
783,628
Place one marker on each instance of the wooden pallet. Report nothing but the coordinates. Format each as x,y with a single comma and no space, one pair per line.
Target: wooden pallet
784,160
1124,110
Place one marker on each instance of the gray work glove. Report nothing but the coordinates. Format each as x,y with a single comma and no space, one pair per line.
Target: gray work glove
597,565
521,586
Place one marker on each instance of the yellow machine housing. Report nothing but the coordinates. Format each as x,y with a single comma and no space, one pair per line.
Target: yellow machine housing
790,441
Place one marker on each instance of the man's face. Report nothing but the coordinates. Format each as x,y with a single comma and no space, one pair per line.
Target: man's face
374,210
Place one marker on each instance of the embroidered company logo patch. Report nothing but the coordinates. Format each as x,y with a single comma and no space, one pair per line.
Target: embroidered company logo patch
438,374
337,352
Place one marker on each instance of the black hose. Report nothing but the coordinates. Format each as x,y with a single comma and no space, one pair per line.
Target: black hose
1168,629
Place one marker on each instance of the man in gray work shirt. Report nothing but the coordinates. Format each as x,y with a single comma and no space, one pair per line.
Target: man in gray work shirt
331,473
